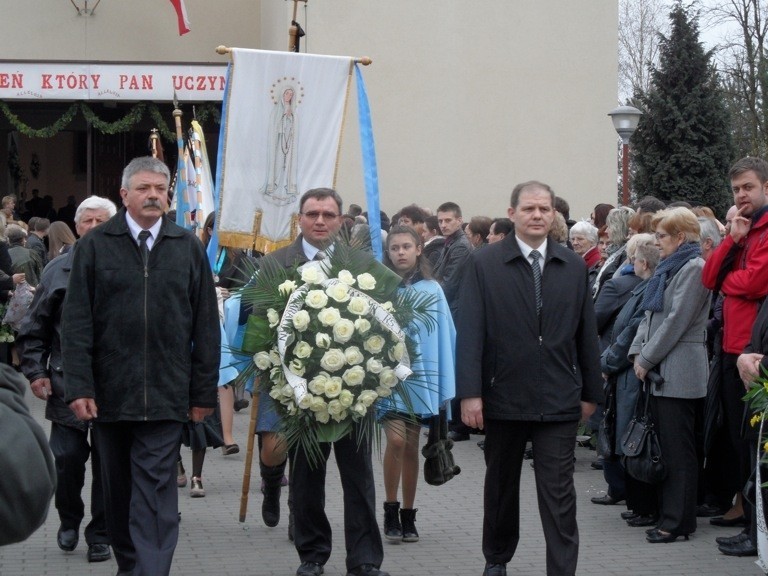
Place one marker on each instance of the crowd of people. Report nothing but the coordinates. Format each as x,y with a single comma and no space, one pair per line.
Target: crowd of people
543,323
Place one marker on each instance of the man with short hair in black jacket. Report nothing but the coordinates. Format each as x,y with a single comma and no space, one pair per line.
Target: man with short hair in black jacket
528,367
39,346
141,344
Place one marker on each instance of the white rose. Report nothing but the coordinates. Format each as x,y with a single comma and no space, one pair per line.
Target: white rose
388,378
274,357
346,277
317,384
343,330
306,401
357,306
335,408
339,292
316,299
341,416
383,391
276,392
333,387
297,367
374,344
396,352
322,416
346,398
367,397
366,282
312,274
322,340
317,404
286,391
374,365
273,317
388,306
359,409
333,360
262,361
291,407
276,375
287,287
362,326
302,350
353,355
329,316
354,376
301,320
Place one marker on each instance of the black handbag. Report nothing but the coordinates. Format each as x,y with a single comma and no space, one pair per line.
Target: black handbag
642,452
439,466
606,432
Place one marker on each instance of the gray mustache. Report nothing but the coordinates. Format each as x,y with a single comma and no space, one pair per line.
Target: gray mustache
151,203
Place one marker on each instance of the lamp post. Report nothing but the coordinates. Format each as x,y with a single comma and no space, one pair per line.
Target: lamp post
625,120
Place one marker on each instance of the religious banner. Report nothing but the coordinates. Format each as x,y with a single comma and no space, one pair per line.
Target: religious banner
281,130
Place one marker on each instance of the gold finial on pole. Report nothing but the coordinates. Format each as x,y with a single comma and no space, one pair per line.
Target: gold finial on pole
223,50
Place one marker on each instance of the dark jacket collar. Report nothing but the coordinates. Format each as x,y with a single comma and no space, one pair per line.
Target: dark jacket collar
117,225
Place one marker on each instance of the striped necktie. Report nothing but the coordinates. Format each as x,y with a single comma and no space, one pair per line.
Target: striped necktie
535,255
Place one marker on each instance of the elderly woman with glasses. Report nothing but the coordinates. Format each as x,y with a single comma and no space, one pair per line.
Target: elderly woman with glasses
671,341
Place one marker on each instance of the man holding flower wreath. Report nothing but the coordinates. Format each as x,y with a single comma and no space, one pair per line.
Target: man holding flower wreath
320,221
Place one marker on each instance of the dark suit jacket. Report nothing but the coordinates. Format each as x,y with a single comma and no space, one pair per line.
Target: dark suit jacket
526,366
610,300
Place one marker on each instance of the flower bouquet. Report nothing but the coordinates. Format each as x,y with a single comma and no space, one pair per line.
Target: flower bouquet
329,339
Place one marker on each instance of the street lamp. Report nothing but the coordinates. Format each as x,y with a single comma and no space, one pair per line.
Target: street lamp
625,120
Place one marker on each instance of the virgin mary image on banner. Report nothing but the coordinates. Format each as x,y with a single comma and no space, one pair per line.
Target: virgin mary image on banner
280,186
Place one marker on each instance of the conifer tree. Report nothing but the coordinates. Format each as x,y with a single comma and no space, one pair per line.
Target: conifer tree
682,147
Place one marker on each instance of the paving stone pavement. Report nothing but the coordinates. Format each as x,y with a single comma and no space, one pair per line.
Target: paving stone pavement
212,541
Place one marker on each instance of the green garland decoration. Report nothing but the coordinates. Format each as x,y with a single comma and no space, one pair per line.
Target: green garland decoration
48,131
167,134
133,117
127,122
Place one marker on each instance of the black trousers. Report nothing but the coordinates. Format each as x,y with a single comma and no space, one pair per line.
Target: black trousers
553,449
71,451
675,420
735,421
142,500
312,531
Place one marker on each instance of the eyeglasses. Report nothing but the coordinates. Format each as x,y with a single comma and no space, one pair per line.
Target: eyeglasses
661,235
315,215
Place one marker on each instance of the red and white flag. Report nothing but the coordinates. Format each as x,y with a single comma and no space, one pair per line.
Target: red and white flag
181,13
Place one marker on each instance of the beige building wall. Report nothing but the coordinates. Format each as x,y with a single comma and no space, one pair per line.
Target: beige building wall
468,98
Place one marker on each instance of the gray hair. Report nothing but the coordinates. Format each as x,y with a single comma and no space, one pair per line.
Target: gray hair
708,230
144,164
617,223
584,228
646,250
95,203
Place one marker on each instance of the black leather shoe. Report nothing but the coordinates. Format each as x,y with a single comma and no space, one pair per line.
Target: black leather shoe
659,537
709,510
743,548
458,436
98,553
495,570
722,521
628,515
67,539
366,570
597,464
606,500
728,540
640,521
310,569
